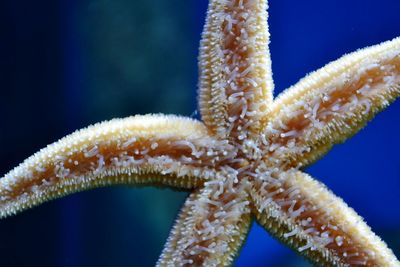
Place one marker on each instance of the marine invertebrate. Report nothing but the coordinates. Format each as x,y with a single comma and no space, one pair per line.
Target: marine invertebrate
246,156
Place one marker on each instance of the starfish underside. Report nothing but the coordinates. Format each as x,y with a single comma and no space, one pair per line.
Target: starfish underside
244,160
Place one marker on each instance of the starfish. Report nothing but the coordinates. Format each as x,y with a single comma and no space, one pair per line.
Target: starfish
244,160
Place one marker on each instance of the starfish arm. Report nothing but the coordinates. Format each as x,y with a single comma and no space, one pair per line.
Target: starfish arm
152,149
305,215
235,68
333,103
210,228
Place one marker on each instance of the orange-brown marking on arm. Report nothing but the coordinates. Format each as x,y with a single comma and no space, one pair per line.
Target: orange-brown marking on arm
235,69
210,228
305,215
160,150
332,104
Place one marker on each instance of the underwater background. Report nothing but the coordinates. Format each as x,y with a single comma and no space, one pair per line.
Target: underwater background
66,64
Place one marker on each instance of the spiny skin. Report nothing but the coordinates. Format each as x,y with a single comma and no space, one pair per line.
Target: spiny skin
234,54
245,160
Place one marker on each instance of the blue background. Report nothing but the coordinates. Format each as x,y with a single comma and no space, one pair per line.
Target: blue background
67,64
